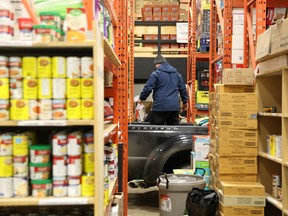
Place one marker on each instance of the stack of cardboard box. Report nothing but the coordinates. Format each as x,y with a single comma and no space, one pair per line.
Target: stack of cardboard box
233,154
160,12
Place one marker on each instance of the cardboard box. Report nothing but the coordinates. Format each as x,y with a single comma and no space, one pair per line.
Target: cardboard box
201,146
165,37
157,17
237,56
242,188
238,76
236,177
237,134
236,124
238,29
236,151
229,200
237,42
263,46
237,142
157,9
240,107
165,17
279,37
236,97
236,114
272,64
241,210
220,88
119,200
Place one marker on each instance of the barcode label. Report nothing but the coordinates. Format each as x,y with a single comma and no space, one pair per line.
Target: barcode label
256,212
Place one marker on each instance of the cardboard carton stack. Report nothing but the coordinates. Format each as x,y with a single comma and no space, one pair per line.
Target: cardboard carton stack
160,11
233,153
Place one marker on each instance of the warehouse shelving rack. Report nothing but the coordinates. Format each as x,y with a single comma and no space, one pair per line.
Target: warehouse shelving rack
131,61
192,58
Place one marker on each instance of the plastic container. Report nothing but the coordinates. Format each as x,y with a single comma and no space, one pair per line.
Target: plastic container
173,191
40,171
41,188
40,153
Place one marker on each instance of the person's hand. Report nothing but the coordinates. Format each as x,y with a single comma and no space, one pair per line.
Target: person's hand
139,101
185,106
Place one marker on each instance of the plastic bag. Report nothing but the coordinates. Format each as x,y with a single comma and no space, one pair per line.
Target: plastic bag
140,112
202,202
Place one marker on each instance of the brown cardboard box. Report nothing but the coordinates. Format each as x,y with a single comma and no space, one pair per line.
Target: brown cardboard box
279,38
237,142
157,9
236,97
157,17
238,76
252,106
242,188
220,88
183,16
241,210
236,177
237,134
272,64
263,47
183,6
147,17
165,17
236,114
236,151
236,124
236,165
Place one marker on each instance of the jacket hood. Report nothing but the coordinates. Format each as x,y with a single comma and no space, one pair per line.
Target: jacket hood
166,67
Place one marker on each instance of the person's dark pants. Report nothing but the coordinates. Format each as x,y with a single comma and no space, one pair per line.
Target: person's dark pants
164,117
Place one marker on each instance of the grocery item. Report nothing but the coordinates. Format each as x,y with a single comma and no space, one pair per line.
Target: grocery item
44,33
44,67
50,18
4,88
41,188
59,67
6,166
40,171
45,88
19,109
87,67
20,187
74,143
34,109
30,88
59,88
60,185
20,144
20,166
59,143
76,22
73,88
87,109
73,67
6,187
88,142
5,144
59,166
88,163
87,88
29,66
87,185
25,26
74,186
73,109
16,88
74,165
59,109
4,110
40,153
45,109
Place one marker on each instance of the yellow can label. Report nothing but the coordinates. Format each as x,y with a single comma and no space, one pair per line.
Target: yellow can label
4,88
88,165
87,186
73,88
44,67
45,88
29,66
87,90
73,109
20,145
59,67
30,87
19,109
87,109
6,166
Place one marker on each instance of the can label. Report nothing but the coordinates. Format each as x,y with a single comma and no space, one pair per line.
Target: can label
275,191
73,109
20,145
74,142
41,190
45,88
73,67
15,72
6,166
59,166
60,185
87,186
4,88
30,88
34,109
45,109
39,156
6,187
87,67
6,144
16,88
29,67
3,61
59,109
19,109
4,71
73,88
59,67
40,173
74,165
44,67
20,166
4,110
88,165
276,179
59,143
87,109
20,187
15,61
87,88
88,142
59,88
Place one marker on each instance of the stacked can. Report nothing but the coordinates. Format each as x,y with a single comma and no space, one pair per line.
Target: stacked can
6,24
112,159
21,143
40,170
276,186
4,89
6,165
87,181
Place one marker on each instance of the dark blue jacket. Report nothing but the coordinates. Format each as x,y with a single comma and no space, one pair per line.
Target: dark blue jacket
166,84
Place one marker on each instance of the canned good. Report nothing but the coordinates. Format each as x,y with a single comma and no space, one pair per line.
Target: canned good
4,110
20,145
87,67
59,88
275,191
3,61
15,72
6,187
276,179
60,185
88,163
280,193
16,88
45,88
88,142
45,109
4,88
4,72
34,109
40,153
6,166
44,67
87,185
29,66
44,33
59,166
74,165
73,67
40,171
59,109
41,188
106,169
15,61
6,33
20,166
59,143
87,88
73,88
87,109
73,109
50,18
74,143
25,26
20,187
74,186
30,88
6,144
59,67
19,109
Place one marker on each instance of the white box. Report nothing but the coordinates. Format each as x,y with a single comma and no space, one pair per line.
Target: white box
237,56
201,146
238,16
238,42
238,30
